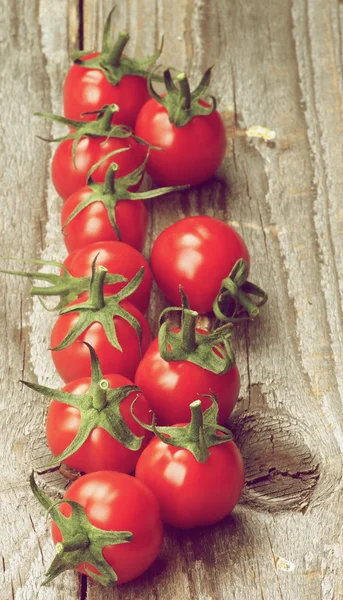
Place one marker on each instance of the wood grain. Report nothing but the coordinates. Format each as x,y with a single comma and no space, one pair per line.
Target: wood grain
34,60
278,64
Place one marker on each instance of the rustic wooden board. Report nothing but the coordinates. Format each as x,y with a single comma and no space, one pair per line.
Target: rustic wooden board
278,64
34,59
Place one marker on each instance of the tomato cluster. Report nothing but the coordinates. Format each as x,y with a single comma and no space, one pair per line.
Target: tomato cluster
158,407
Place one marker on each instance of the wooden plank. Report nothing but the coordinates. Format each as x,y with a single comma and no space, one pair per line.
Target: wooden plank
34,62
278,64
288,423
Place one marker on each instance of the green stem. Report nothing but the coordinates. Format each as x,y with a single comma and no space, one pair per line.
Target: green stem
114,55
196,430
185,92
109,184
241,297
106,119
56,290
96,297
188,330
100,395
80,542
248,304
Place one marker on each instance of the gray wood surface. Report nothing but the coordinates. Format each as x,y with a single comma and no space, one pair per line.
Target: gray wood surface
278,64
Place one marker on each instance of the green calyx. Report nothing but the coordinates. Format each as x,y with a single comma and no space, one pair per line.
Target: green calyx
211,352
111,60
101,127
102,309
64,285
236,288
98,407
115,189
182,104
198,436
82,541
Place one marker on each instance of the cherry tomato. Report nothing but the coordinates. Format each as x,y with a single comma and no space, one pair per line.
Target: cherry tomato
170,387
191,154
89,90
191,493
197,253
118,258
68,177
118,502
100,451
74,362
92,223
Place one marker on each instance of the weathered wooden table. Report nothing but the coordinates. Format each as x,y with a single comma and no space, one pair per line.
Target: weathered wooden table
278,64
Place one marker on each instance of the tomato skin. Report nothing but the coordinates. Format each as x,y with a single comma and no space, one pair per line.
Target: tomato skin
170,387
100,452
197,253
192,153
67,177
190,493
92,223
88,89
118,258
74,362
118,502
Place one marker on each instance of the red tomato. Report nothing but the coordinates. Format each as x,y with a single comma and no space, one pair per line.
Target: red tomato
117,502
197,253
100,451
88,89
191,493
192,153
67,177
92,223
170,387
118,258
74,362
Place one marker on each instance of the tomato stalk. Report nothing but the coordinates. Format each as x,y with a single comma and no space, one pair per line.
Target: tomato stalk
101,127
100,395
80,542
236,288
185,91
64,285
110,180
105,118
117,49
102,309
115,189
99,406
96,295
180,102
202,433
196,430
83,543
111,60
188,332
212,352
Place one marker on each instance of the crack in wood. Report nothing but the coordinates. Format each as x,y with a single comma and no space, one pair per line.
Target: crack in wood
246,333
40,225
38,540
275,565
83,586
81,24
21,319
23,362
274,471
279,464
